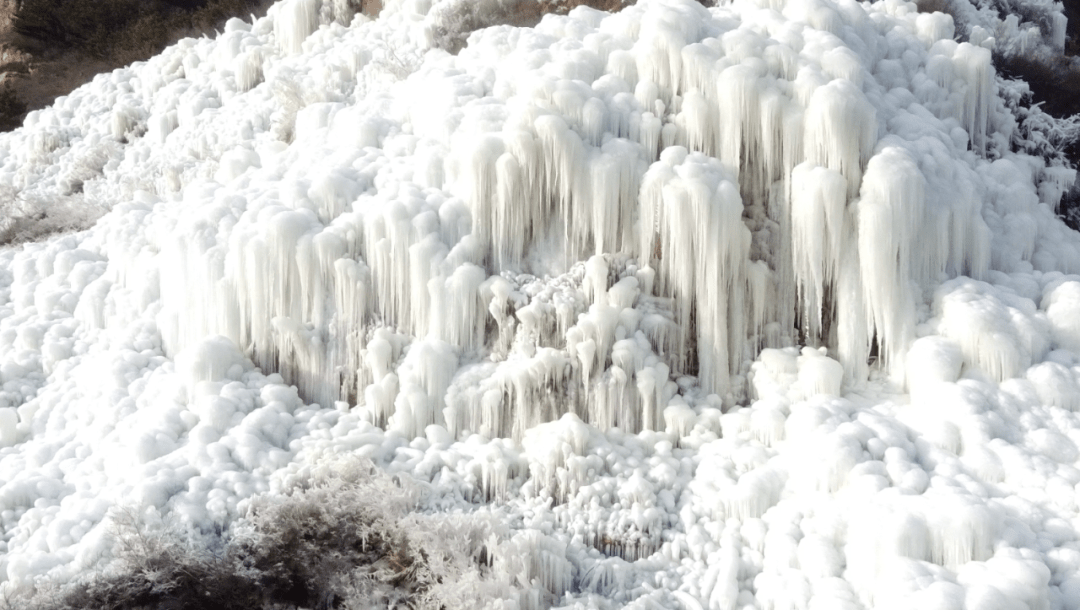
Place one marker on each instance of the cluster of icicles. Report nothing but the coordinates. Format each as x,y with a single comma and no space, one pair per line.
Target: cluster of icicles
723,186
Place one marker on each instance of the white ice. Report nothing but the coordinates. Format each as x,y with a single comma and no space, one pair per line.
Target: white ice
743,307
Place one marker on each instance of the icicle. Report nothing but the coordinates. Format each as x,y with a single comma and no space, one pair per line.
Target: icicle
841,131
960,531
479,181
534,558
974,65
658,52
248,68
932,27
701,255
1058,30
738,95
622,64
564,170
595,283
123,120
819,374
301,358
852,323
613,177
294,21
458,311
981,325
331,193
1056,181
702,128
496,291
537,388
890,229
649,135
699,64
818,202
679,417
761,305
425,375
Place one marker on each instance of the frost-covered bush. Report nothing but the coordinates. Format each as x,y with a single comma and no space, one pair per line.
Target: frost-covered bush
1038,132
350,536
345,535
1041,88
1037,79
459,19
26,218
290,101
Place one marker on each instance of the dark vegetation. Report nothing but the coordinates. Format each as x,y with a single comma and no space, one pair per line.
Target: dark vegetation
120,31
12,109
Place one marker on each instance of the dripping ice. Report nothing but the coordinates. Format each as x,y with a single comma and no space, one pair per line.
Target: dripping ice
710,300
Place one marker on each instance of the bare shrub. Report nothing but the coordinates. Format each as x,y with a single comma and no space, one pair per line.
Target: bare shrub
289,102
458,20
344,536
348,536
398,64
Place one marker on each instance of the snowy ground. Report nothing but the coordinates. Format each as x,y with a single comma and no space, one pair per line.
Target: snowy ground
563,277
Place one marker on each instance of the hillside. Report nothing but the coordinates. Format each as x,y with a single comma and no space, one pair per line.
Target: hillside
764,305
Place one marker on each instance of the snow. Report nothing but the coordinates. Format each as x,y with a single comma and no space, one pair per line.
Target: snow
741,307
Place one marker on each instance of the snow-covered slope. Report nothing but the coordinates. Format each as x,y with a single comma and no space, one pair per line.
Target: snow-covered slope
749,306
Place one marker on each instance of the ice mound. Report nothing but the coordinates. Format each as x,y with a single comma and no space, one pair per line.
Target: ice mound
751,306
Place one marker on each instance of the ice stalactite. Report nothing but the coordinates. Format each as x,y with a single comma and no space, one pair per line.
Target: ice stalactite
425,375
248,67
890,217
727,186
538,565
1058,30
614,176
740,146
969,69
840,130
990,331
700,249
294,21
351,285
377,375
818,218
658,50
558,456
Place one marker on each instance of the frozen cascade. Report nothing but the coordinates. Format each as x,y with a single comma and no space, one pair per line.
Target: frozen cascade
749,306
764,145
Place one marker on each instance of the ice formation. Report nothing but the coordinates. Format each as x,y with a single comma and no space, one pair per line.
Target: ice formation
738,307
